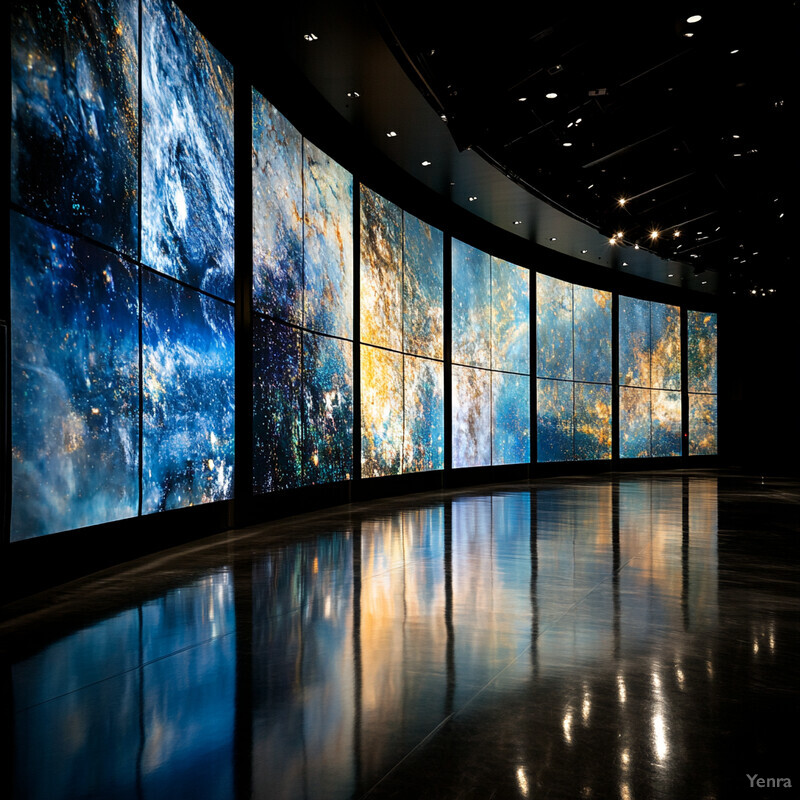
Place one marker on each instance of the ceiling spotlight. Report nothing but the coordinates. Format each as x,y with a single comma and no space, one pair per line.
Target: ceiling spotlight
426,163
518,222
618,234
553,239
551,95
654,234
676,234
734,52
694,18
567,144
671,275
391,134
473,198
584,251
522,99
622,201
353,94
310,37
612,240
703,282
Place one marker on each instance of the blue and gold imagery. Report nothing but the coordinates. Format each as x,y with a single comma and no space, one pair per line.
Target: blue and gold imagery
74,382
401,314
650,379
491,359
573,363
74,116
302,295
702,382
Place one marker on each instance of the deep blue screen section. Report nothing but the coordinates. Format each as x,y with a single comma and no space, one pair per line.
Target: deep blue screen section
74,382
188,396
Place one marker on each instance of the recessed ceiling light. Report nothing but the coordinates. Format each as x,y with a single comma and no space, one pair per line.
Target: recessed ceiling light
473,198
622,201
518,222
553,239
734,52
391,134
654,234
694,18
688,34
353,94
671,275
567,144
584,251
522,99
551,95
703,282
311,37
426,163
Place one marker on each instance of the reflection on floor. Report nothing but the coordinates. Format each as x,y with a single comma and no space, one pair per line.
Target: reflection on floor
625,636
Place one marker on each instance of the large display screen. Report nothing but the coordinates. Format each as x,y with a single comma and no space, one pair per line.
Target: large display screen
702,382
187,152
491,359
122,380
401,313
303,298
649,379
573,365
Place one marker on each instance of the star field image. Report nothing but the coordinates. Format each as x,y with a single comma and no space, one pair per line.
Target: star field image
188,396
74,382
74,116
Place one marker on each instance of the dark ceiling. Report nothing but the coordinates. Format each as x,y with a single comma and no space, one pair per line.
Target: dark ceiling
659,124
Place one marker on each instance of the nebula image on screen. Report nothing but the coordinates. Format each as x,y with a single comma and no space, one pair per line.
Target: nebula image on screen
277,214
471,305
634,342
381,412
327,409
328,244
649,358
510,317
702,352
423,287
74,116
665,357
573,338
553,328
592,334
665,408
423,414
472,417
187,152
702,424
593,413
511,418
74,383
188,400
277,391
555,420
381,271
634,422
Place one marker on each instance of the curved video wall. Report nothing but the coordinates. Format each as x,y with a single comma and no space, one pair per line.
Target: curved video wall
378,343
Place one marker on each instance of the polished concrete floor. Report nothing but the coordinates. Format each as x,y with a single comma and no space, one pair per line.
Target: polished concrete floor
618,636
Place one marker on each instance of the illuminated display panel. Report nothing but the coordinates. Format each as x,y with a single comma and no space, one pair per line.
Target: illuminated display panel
277,214
327,245
650,379
401,313
472,417
302,294
491,330
277,399
187,152
188,396
702,382
74,382
74,116
573,357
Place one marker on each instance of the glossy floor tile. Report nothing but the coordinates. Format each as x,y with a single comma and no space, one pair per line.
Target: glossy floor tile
618,636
